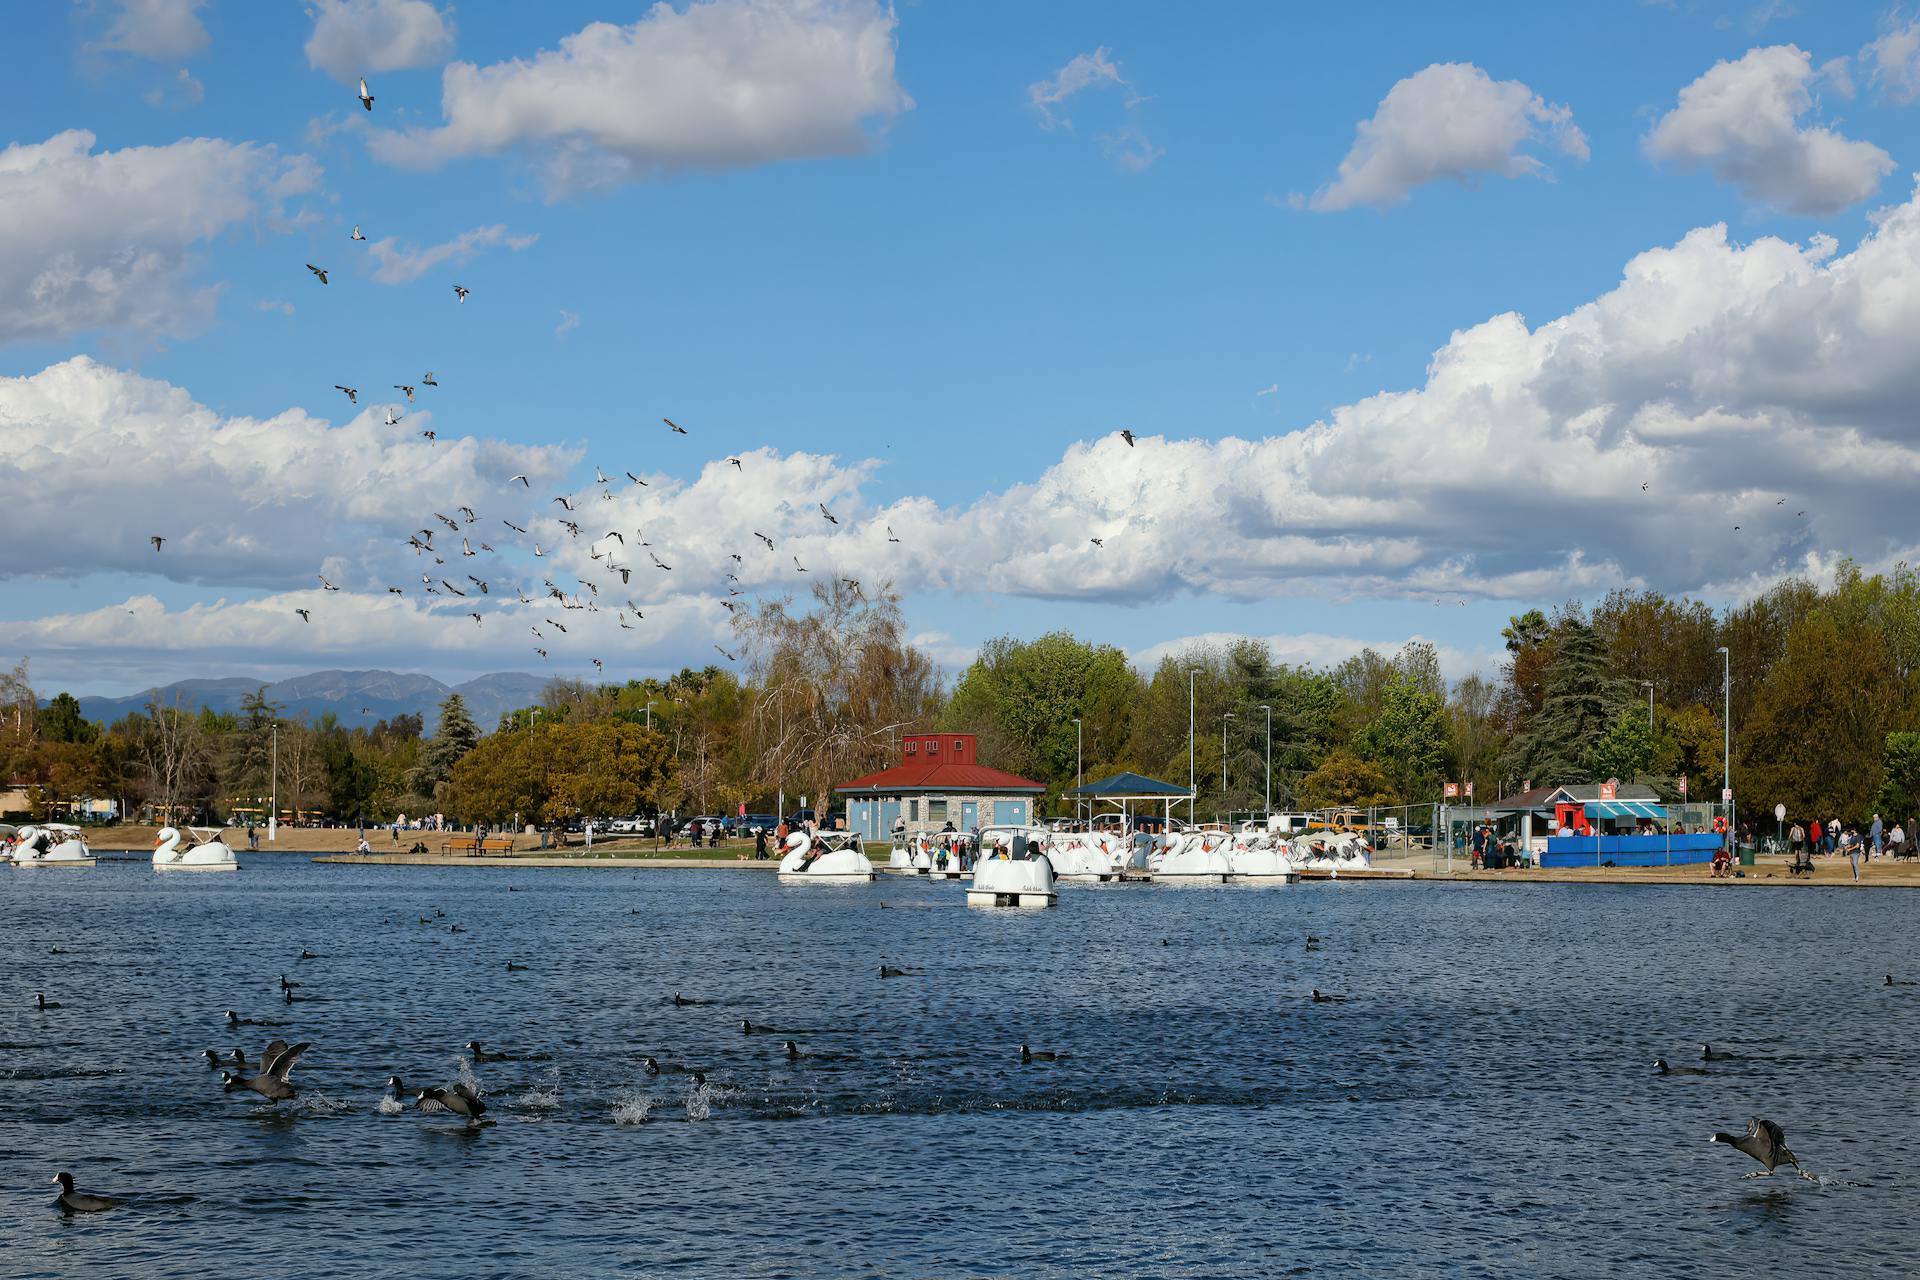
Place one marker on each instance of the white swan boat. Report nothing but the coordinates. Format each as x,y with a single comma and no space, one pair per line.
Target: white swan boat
208,852
51,844
1331,851
1012,870
1193,857
827,858
1090,856
1256,859
900,857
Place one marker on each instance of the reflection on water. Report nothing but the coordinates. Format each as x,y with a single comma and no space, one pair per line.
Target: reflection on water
1480,1100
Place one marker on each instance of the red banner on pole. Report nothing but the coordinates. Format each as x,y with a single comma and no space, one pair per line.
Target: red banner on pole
1452,791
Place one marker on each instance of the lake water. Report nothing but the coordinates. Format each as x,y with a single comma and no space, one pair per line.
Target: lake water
1481,1102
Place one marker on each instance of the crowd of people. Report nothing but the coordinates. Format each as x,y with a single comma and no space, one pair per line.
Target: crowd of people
1833,838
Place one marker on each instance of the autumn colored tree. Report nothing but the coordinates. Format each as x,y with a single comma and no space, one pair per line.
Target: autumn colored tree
1344,780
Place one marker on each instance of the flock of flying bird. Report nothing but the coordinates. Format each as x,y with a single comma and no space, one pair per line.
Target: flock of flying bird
574,520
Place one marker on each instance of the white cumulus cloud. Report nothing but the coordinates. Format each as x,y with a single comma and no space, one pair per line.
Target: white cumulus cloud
720,84
1893,60
1451,121
353,38
398,263
1742,121
102,240
160,30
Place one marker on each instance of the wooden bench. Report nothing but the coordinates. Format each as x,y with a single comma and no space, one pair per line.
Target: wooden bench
478,848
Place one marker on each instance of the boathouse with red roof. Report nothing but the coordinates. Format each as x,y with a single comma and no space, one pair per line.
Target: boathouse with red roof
939,780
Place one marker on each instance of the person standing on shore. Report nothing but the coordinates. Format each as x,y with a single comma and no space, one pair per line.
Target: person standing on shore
1850,845
759,844
1815,829
1796,837
1875,833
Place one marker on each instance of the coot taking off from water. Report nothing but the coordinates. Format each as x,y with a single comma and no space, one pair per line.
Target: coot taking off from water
1043,1055
1660,1066
1763,1141
275,1063
43,1004
72,1201
460,1100
1710,1054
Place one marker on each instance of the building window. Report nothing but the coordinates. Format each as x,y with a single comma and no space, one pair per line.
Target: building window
936,810
913,748
913,811
956,744
933,747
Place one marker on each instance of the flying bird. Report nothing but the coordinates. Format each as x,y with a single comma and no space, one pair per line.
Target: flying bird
401,386
447,521
478,582
430,436
475,617
853,584
356,233
366,99
466,548
540,651
324,583
511,525
636,479
393,419
890,537
677,428
796,564
449,586
428,381
304,615
156,540
395,591
1764,1141
736,463
562,629
1098,542
353,393
597,666
658,563
317,271
468,513
831,519
1127,435
723,653
764,538
599,476
460,291
537,551
617,534
565,503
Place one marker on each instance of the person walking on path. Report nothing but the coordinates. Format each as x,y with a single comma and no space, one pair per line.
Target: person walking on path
1850,846
1796,837
253,840
759,844
1875,833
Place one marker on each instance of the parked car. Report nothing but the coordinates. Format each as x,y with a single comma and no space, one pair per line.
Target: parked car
756,822
708,823
638,825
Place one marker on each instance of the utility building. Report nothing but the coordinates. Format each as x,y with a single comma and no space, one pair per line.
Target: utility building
939,780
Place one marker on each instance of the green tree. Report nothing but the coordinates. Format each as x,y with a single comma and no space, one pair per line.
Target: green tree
1820,722
1900,775
1022,697
1579,703
61,721
453,739
1408,737
1344,780
1627,749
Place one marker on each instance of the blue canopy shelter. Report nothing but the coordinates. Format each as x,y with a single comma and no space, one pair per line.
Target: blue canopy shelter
1123,791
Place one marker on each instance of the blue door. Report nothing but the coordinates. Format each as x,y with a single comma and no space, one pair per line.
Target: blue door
1007,813
969,815
889,814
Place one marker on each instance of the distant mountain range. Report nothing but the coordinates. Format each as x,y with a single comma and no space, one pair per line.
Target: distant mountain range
356,698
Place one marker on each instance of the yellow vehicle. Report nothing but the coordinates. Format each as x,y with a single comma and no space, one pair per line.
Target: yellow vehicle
1339,820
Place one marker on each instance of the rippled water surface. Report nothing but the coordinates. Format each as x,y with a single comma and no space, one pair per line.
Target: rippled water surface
1480,1101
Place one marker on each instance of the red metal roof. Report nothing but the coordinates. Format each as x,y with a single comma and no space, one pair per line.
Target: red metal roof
942,776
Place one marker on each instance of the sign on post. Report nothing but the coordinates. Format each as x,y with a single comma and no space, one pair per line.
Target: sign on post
1779,813
1683,784
1452,791
1469,790
1608,790
1726,795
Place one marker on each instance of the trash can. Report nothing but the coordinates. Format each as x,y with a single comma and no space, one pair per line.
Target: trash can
1746,855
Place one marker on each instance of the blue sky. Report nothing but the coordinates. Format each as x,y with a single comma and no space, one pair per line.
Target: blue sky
967,299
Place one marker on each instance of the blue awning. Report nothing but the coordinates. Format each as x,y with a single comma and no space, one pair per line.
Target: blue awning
1625,809
1129,786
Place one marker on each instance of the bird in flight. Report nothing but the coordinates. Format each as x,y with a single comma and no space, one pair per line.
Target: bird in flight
401,386
566,503
1643,486
831,518
478,583
317,271
428,380
1780,502
1127,435
366,99
475,617
540,651
723,653
449,586
356,233
353,393
395,591
1764,1141
598,665
523,484
890,537
550,622
728,605
461,291
796,564
156,540
764,538
429,436
468,513
736,463
615,533
304,615
447,521
466,548
324,583
853,584
677,428
537,551
636,479
599,476
658,563
511,525
393,419
1098,542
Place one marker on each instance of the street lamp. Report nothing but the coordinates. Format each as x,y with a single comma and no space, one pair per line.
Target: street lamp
1079,775
649,715
1223,755
273,789
1648,686
1192,791
1726,720
1267,797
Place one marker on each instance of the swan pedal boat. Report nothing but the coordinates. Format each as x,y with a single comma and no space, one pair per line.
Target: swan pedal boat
51,844
1008,875
839,861
1194,857
1087,856
208,852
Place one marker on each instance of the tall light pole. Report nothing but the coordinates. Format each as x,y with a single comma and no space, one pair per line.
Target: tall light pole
1223,756
1193,791
1648,685
273,790
649,715
1726,720
1267,797
1079,774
